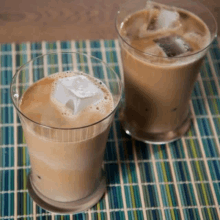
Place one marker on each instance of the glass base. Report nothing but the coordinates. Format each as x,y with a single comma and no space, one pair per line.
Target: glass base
67,207
157,138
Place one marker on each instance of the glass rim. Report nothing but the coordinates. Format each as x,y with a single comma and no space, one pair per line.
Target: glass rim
71,128
178,57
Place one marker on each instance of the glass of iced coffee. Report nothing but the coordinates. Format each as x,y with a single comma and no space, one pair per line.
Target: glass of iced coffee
163,44
66,103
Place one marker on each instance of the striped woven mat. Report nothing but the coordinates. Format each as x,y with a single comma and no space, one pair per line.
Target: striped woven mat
180,180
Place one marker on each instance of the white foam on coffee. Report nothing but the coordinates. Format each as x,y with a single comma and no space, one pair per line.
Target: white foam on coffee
99,107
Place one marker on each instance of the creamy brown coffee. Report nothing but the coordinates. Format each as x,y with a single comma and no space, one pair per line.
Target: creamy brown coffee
66,164
160,67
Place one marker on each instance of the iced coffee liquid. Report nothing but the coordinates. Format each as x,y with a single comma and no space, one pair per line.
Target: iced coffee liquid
160,67
66,164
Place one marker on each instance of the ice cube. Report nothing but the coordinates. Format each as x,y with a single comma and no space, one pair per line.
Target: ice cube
155,50
135,26
173,45
149,22
197,38
77,92
160,20
167,19
193,36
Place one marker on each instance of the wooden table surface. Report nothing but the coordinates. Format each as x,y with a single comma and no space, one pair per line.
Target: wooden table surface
37,20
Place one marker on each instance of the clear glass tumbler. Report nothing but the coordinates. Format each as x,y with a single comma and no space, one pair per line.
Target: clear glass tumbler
66,163
157,88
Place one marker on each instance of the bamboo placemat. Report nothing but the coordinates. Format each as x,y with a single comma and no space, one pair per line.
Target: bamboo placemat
180,180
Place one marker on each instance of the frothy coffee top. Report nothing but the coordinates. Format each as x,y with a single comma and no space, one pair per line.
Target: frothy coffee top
165,31
39,105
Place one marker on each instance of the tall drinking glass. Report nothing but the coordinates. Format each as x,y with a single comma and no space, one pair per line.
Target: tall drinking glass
158,79
66,163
